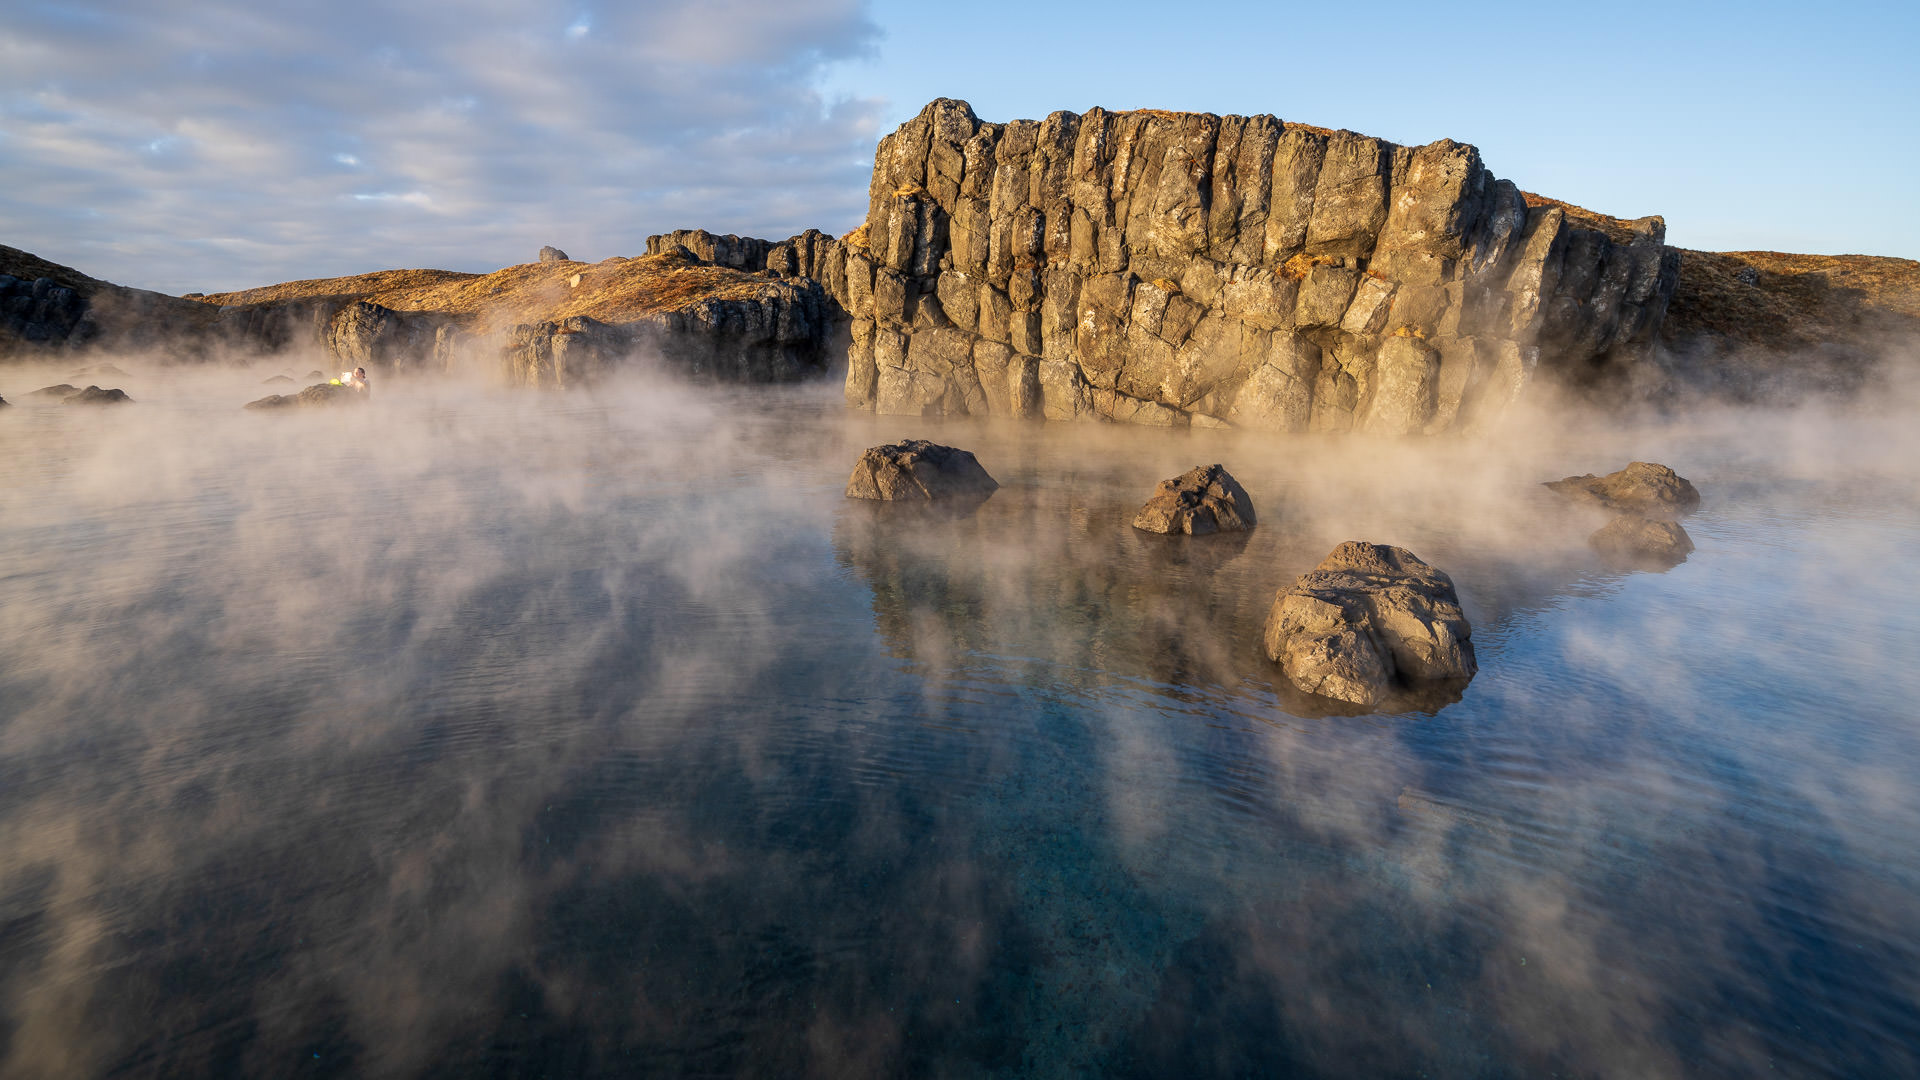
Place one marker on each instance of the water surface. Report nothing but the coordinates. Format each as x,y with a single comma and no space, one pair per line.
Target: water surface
479,732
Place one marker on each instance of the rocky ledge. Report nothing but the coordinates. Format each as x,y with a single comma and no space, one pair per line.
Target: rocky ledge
1185,268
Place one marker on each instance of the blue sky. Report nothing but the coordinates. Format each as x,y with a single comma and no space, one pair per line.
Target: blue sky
224,143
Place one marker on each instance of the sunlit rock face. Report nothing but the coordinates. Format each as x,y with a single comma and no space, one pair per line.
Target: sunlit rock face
1205,499
1179,268
1370,622
918,471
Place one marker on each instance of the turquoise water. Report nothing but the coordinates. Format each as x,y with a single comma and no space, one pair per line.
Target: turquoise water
490,733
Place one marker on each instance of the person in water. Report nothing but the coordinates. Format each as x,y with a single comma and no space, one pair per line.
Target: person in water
355,379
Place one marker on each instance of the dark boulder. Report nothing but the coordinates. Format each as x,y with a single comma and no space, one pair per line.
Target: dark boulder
1370,622
915,469
94,395
553,254
1205,499
326,393
1643,489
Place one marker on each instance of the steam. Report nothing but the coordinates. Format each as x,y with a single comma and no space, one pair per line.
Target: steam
409,735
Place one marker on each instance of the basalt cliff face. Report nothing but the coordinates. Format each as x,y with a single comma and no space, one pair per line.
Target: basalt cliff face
1184,268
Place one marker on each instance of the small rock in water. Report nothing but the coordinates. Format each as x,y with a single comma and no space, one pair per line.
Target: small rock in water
916,469
93,395
59,391
316,374
1368,621
1638,538
3,402
1642,488
276,379
1205,499
322,394
553,254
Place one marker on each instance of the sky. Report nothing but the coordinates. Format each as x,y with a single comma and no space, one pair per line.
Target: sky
205,145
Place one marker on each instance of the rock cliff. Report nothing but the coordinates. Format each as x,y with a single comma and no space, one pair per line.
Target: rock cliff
1185,268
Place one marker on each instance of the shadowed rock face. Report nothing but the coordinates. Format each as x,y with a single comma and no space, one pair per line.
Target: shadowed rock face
94,395
1368,623
1205,499
918,470
1643,489
1161,268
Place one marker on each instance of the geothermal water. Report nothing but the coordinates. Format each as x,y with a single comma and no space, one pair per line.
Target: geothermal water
488,732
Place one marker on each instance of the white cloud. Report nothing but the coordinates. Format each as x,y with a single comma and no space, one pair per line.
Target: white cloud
132,134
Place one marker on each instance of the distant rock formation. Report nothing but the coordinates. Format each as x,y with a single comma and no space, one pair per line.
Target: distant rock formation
94,395
1156,267
553,254
1368,623
1203,500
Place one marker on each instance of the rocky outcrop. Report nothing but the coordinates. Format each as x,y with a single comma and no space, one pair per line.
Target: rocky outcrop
779,332
1205,499
94,395
1368,623
1642,489
365,334
42,312
919,471
550,253
321,394
1173,268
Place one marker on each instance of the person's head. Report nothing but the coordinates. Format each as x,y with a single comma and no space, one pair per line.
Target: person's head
360,372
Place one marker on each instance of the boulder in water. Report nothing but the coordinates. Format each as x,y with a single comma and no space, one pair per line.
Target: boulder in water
1204,499
60,390
915,469
1643,539
1369,621
322,394
276,379
93,395
1642,488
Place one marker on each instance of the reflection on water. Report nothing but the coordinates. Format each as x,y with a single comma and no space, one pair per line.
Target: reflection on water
490,733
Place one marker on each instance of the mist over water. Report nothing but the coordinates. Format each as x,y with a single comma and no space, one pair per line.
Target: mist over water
491,732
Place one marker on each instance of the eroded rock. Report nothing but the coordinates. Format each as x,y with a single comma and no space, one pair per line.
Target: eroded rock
1370,621
915,469
1182,269
1643,489
1205,499
550,253
58,390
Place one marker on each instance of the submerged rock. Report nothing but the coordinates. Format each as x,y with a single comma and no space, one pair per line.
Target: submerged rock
276,379
1205,499
1649,539
1642,488
1369,621
916,469
93,395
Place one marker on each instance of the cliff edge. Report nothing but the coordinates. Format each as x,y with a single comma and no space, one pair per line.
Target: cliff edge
1185,268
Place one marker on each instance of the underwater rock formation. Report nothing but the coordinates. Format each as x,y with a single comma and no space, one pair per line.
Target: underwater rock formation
1640,539
1176,268
1369,621
1205,499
